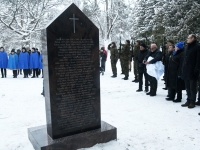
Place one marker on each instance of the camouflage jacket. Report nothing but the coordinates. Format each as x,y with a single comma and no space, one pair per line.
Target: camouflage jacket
125,52
114,55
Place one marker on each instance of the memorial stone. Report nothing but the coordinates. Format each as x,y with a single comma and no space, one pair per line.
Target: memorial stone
72,85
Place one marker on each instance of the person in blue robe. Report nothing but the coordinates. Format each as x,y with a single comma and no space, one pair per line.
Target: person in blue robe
3,62
41,63
24,62
34,62
13,63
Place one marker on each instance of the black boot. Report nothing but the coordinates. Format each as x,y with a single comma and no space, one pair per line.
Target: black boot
146,89
114,76
139,90
198,102
177,100
136,81
169,99
125,78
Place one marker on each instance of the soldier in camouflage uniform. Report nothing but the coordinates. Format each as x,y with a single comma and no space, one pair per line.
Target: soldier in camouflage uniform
114,55
135,65
125,57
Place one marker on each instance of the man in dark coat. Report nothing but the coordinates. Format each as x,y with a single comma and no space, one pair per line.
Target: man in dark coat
190,69
156,54
170,51
174,82
139,57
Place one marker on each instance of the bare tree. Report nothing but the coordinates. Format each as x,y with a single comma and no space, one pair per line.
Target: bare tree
24,17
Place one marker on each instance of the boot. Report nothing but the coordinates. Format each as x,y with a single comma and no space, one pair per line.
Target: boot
198,102
149,93
139,90
152,94
186,104
146,89
125,78
169,99
191,106
136,81
114,76
177,100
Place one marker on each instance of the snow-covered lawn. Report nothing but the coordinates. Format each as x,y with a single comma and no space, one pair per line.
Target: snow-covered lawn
143,122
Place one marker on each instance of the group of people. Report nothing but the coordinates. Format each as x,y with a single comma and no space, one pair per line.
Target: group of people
181,64
28,61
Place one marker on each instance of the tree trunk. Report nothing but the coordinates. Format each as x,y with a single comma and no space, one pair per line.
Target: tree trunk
107,19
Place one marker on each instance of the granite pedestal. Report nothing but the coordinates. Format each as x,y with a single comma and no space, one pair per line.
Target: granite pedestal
42,141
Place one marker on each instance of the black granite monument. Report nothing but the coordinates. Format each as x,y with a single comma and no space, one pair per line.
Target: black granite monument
72,86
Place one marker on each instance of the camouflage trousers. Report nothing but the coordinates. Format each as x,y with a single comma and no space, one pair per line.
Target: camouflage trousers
113,66
121,63
135,69
126,67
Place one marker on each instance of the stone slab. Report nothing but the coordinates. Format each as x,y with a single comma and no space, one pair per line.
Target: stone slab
42,141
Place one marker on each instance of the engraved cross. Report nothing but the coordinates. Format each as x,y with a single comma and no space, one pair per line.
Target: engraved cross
74,19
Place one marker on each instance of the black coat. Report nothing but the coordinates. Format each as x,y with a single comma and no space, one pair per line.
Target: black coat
174,80
191,63
139,58
103,56
167,63
157,56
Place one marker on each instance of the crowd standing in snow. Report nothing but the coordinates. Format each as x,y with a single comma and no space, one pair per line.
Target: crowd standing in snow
28,61
181,64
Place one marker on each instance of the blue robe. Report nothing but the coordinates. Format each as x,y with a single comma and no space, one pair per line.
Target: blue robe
23,60
41,62
13,62
34,60
3,60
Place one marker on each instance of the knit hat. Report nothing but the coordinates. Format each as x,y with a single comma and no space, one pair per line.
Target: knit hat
180,45
13,50
143,45
103,48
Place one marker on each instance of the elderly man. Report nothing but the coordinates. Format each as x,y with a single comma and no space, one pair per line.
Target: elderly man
157,56
190,69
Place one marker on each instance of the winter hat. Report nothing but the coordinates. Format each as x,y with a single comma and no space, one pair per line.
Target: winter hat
128,41
143,45
103,48
180,45
13,50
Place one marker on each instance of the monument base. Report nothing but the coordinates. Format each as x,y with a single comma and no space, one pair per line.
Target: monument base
42,141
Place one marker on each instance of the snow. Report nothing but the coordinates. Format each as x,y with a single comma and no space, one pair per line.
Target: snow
143,122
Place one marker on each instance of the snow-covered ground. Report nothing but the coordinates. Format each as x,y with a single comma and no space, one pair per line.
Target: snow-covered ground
143,122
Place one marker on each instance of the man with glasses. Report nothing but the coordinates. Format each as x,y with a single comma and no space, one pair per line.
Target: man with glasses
190,69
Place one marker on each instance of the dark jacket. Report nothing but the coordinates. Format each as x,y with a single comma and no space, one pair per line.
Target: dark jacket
103,56
174,72
157,56
139,58
191,63
167,63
